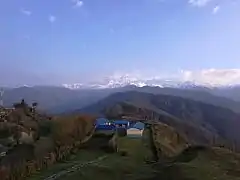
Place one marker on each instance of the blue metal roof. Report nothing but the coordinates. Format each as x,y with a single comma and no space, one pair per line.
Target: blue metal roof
105,127
120,122
102,121
139,125
102,124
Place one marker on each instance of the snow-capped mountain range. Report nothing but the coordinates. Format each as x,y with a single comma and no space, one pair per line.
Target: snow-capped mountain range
116,82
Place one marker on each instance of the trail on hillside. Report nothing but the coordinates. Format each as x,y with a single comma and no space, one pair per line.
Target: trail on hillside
87,138
92,163
75,168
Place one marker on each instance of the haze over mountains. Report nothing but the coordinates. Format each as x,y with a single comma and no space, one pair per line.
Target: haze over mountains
205,112
60,99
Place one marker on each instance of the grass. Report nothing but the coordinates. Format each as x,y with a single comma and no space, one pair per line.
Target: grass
219,164
131,165
207,164
81,157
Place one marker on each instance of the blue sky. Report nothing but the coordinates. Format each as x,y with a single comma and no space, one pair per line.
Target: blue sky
67,41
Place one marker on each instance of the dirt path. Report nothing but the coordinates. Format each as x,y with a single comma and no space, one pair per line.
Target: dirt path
89,137
74,168
78,166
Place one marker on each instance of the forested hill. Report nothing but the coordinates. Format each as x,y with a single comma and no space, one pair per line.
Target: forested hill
203,123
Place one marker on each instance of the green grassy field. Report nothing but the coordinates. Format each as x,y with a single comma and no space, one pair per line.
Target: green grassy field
195,164
114,166
207,164
81,157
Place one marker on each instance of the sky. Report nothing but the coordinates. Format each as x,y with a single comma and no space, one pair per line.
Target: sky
70,41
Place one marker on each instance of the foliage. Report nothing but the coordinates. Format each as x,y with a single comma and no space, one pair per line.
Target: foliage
45,128
69,129
121,132
114,166
37,141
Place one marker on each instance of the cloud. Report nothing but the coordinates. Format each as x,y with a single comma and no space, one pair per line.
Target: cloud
52,18
199,3
216,9
212,76
208,77
26,12
77,3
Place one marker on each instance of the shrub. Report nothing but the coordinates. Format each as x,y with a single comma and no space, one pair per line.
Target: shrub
45,128
123,153
122,132
64,135
68,129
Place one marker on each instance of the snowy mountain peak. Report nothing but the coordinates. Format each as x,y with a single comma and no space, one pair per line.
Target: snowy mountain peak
121,81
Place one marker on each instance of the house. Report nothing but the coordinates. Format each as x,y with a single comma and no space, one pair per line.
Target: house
121,123
104,124
139,125
102,121
134,132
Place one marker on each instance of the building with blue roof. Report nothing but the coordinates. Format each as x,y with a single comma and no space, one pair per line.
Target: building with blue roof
104,124
139,125
102,121
121,123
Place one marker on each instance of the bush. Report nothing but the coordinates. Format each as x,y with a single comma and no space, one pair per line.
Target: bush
45,128
6,129
68,132
64,135
122,132
68,129
123,153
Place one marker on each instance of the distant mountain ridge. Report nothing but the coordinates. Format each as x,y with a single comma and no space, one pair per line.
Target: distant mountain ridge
57,99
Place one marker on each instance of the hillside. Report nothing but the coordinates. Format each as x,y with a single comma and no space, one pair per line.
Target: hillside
35,146
30,141
59,99
194,163
231,92
55,99
207,96
202,123
197,163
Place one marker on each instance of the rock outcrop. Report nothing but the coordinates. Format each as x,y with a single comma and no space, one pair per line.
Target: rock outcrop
167,141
